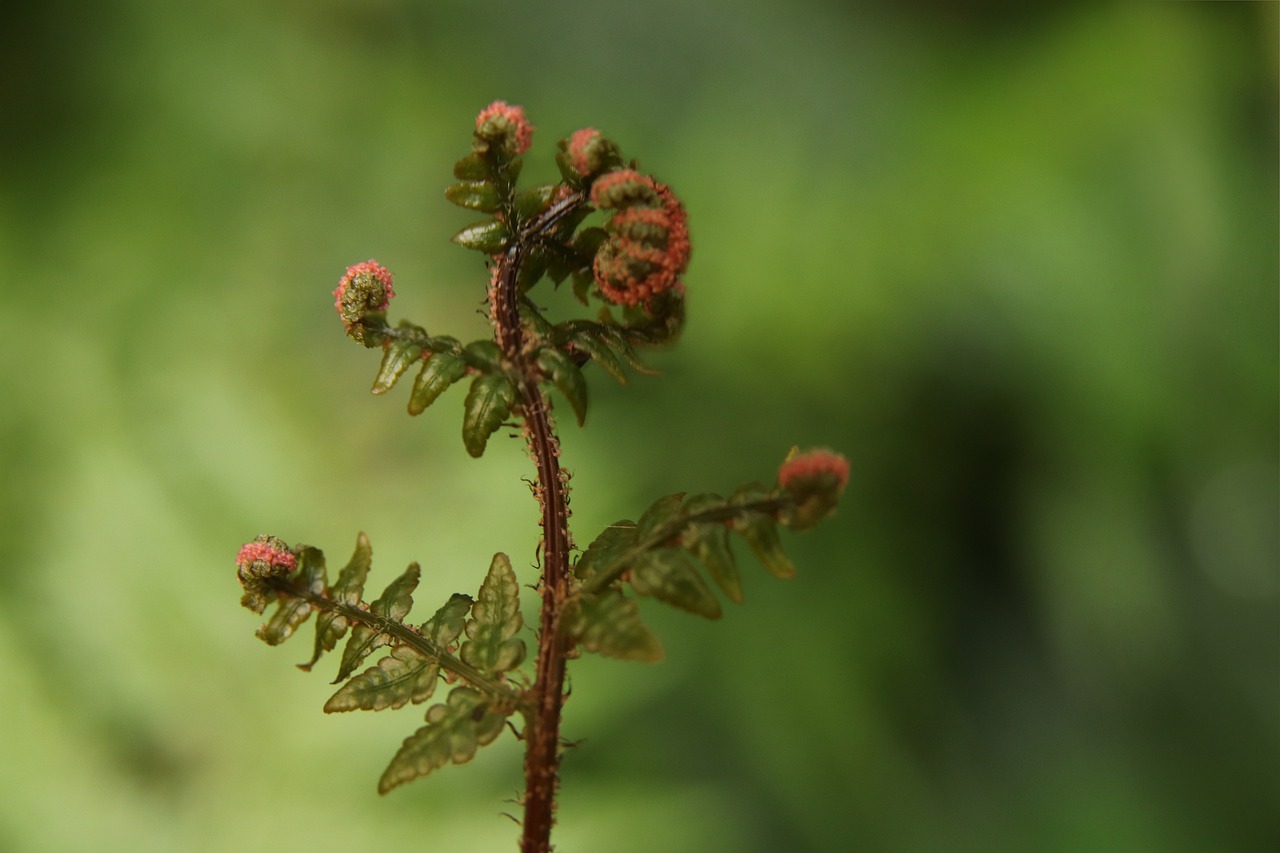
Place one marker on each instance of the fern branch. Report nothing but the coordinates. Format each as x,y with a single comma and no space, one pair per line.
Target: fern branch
405,635
602,578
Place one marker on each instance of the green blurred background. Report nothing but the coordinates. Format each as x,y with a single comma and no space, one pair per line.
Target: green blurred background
1019,263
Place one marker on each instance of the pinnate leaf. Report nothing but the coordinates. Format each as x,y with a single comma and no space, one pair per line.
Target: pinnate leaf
609,624
439,371
492,645
290,611
488,404
391,606
453,733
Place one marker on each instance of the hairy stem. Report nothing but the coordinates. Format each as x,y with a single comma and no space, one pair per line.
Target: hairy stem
542,735
542,755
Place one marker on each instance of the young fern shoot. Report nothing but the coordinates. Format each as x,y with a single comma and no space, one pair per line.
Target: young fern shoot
677,551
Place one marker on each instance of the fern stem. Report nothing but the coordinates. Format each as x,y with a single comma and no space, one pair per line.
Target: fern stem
542,756
542,735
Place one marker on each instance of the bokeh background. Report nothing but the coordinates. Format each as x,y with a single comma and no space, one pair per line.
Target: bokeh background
1017,261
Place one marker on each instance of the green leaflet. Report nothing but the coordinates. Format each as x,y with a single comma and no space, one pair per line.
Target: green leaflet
583,281
292,612
490,237
397,357
648,553
531,271
492,645
601,353
488,404
662,512
609,624
567,377
400,677
483,355
454,731
471,168
616,339
612,543
392,606
761,531
709,542
479,195
667,575
438,372
528,203
330,625
405,675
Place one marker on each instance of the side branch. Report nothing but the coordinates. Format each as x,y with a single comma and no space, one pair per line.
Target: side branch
407,636
728,510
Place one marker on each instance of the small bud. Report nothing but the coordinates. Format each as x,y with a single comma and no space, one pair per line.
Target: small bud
590,152
505,127
265,557
364,290
814,480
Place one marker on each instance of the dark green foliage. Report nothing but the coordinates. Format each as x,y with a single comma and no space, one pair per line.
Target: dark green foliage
471,168
474,195
529,203
595,346
488,405
483,355
489,236
568,379
398,355
440,370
